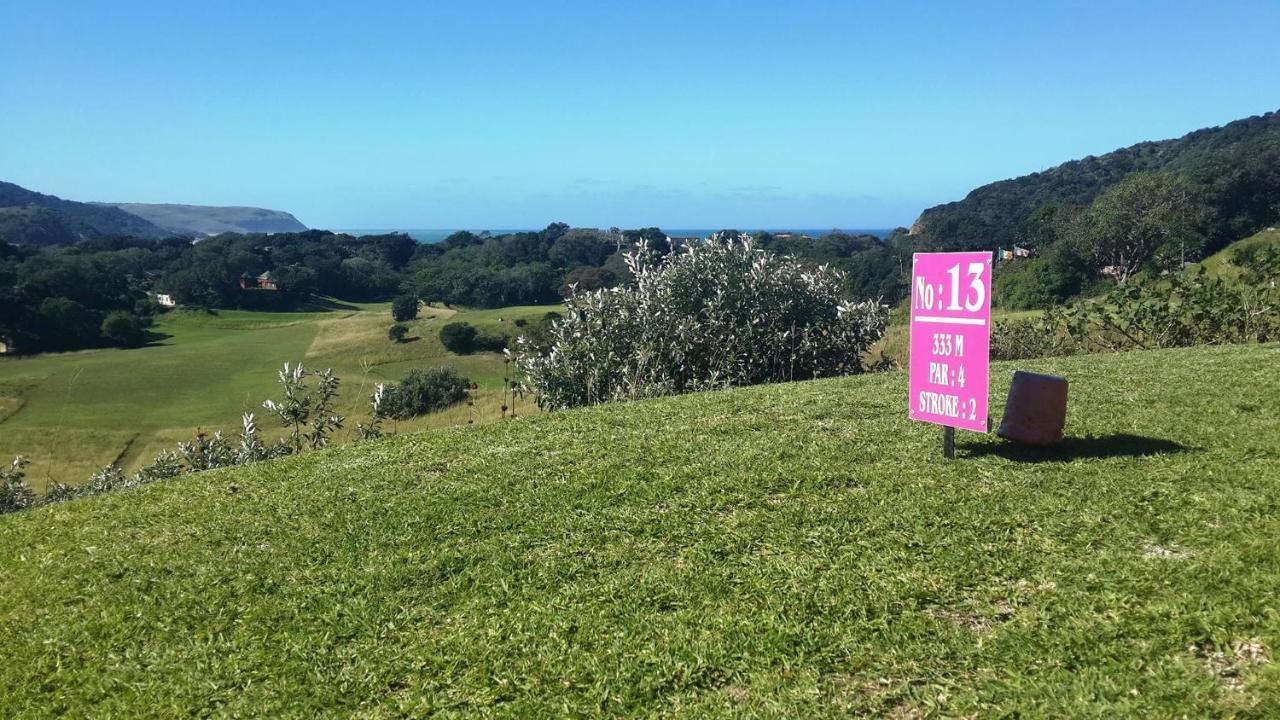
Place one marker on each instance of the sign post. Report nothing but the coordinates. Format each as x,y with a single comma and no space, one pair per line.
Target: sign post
950,342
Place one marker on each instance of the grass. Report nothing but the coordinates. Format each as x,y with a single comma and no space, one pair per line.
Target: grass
1219,264
781,551
73,413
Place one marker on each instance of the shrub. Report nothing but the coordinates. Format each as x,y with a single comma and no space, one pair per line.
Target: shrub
307,411
1024,338
125,329
404,308
378,405
1175,311
397,332
424,391
714,315
14,492
205,452
462,338
458,337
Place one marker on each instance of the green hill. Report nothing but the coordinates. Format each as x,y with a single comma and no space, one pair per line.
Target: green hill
1219,264
204,220
32,218
778,551
1236,166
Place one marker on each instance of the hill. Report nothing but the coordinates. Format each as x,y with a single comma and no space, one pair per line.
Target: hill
74,413
1236,166
1219,264
32,218
777,551
205,220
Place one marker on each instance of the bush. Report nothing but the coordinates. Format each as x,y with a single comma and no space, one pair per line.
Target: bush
463,338
458,337
397,332
404,308
125,329
1176,311
15,494
1024,338
424,391
714,315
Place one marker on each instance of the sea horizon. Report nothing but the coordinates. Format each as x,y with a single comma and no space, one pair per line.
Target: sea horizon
435,235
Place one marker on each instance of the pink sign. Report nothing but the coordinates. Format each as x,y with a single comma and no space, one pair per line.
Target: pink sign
950,338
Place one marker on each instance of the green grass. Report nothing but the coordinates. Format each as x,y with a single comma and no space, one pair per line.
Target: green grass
781,551
1219,264
73,413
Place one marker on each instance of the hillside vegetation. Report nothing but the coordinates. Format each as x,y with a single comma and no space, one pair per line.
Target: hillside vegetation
1220,263
32,218
1235,167
784,550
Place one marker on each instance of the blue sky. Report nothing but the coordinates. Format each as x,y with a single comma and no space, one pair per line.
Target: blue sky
681,114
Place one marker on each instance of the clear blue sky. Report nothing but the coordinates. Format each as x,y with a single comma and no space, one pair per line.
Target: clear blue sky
683,114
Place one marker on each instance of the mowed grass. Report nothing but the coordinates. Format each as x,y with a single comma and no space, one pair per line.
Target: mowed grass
782,551
74,413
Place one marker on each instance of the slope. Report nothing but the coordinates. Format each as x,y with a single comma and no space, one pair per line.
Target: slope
775,551
33,218
1236,167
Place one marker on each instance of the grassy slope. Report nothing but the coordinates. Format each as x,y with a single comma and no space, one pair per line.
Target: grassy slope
73,413
775,551
1219,263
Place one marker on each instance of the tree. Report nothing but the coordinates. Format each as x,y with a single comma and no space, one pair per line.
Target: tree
1141,216
404,308
397,332
65,324
462,338
458,337
124,329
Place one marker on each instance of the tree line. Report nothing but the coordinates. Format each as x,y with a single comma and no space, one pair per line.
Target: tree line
105,292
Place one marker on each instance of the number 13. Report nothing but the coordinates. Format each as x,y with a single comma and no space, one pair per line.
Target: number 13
977,291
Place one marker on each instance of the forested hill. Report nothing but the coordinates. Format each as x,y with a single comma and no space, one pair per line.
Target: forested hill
204,220
1236,168
32,218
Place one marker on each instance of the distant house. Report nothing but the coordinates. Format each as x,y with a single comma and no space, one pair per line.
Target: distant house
265,281
164,300
7,346
675,243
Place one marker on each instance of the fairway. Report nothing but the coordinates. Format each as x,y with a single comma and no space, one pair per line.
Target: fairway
74,413
778,551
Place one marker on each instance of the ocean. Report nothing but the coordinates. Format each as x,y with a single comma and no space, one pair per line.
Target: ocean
427,235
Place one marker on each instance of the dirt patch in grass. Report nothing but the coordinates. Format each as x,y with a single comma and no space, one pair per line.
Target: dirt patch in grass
1166,552
976,622
1228,666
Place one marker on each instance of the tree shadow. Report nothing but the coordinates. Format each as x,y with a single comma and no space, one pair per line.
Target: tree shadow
153,338
1077,448
323,304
